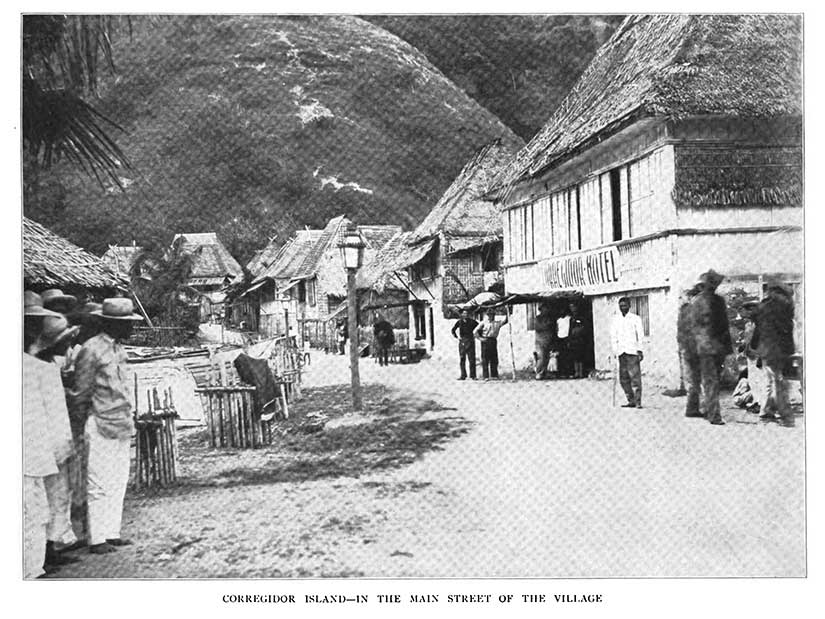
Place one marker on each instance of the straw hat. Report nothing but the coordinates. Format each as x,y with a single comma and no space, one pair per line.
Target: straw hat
54,299
117,309
33,305
711,279
56,330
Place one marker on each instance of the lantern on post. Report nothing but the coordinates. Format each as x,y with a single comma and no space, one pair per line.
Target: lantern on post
352,255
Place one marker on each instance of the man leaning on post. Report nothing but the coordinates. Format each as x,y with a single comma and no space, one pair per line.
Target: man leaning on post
627,336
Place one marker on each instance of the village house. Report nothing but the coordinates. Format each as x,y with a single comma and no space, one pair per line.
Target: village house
679,149
455,253
265,305
50,261
211,270
319,284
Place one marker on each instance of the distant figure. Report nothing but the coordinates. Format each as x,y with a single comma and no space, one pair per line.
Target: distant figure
688,361
466,344
712,343
103,391
545,327
562,341
757,380
487,331
743,395
627,334
577,341
384,338
342,336
773,342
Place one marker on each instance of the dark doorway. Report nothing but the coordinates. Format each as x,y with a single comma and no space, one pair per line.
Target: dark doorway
616,201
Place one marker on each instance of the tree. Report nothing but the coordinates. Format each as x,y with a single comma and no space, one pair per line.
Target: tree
62,55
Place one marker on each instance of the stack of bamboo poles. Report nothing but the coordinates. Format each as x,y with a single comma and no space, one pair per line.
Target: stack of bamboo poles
230,411
156,459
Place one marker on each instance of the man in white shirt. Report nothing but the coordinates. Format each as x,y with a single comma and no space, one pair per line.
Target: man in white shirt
627,336
487,331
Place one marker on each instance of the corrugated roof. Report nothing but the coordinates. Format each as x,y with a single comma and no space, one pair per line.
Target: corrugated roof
210,258
50,260
674,66
461,211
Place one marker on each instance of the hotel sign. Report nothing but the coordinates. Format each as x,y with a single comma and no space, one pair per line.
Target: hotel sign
584,270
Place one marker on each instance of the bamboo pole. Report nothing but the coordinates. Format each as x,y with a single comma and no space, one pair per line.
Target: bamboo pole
510,330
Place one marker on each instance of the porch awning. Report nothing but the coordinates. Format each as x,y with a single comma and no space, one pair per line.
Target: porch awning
414,254
254,287
457,245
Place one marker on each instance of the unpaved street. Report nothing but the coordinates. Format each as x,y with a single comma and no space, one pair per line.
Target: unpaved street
446,478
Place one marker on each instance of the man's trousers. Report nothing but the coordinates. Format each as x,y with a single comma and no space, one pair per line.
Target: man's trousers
35,523
467,354
108,476
630,378
489,357
59,495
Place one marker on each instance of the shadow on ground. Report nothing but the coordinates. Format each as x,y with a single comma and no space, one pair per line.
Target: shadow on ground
323,438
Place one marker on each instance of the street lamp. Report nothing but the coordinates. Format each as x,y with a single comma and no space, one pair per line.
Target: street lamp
352,254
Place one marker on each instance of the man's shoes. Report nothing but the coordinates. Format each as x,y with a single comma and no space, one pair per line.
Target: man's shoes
639,405
629,405
717,422
53,557
119,541
462,378
697,415
49,569
767,416
101,549
787,423
81,543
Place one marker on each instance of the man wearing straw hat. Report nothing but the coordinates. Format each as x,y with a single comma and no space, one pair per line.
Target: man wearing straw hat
711,344
102,390
42,392
56,336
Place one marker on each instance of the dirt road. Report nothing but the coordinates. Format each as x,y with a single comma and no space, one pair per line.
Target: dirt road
460,478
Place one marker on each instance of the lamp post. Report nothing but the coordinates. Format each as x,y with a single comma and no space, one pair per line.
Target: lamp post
352,253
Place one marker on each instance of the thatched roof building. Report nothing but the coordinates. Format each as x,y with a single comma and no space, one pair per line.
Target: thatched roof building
51,261
212,264
461,215
673,66
386,270
285,262
122,258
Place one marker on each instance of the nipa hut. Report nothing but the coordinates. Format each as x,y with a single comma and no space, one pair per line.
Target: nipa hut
50,261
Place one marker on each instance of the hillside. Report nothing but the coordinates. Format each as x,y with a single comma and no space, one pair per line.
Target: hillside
519,67
252,126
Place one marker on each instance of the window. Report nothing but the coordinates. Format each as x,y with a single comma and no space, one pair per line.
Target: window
477,262
490,258
310,292
616,203
531,315
639,306
302,292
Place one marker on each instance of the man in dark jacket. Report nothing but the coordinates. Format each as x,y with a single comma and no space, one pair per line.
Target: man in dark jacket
466,344
545,327
712,342
773,342
688,359
384,338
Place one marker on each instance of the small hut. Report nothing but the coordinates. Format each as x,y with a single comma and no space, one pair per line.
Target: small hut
50,261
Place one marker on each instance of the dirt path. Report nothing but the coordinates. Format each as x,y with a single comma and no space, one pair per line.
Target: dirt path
449,478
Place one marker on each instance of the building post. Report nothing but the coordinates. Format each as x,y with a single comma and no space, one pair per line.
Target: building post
354,347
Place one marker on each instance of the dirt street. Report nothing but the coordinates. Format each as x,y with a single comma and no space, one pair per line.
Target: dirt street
502,479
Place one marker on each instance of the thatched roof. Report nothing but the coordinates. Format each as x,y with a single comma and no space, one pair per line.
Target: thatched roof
290,256
263,258
121,258
51,261
211,261
379,274
673,66
374,236
461,211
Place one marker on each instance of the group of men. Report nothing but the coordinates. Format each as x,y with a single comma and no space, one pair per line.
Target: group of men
705,340
77,427
561,342
466,330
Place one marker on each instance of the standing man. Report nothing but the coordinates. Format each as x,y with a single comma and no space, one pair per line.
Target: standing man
562,334
712,342
384,337
773,342
41,391
688,359
487,331
627,336
102,390
545,327
466,344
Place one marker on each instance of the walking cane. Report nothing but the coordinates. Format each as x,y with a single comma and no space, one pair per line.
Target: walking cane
614,371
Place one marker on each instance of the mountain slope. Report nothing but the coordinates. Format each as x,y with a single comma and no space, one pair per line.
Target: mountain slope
519,67
252,126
